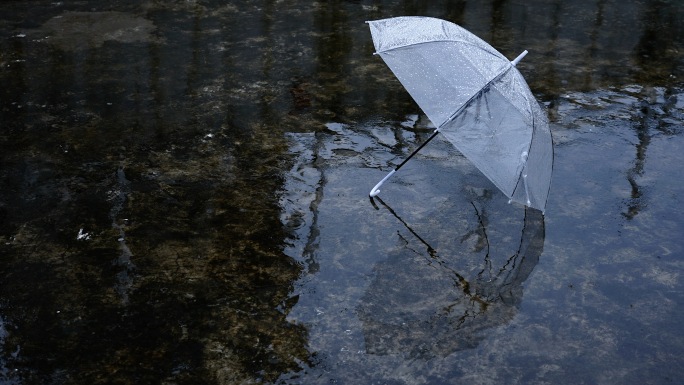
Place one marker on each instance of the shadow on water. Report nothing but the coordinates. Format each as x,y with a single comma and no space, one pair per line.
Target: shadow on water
425,308
183,197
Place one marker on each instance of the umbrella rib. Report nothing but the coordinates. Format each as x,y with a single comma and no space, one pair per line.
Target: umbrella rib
423,42
474,96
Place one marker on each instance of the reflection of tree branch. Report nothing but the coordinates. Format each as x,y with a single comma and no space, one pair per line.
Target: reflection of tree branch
635,204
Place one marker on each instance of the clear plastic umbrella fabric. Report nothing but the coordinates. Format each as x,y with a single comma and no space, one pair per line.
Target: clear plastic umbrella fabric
476,97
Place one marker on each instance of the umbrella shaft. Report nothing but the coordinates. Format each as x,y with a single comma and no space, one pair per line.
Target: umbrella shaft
417,149
376,190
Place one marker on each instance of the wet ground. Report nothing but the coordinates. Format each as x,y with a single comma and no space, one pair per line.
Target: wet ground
183,199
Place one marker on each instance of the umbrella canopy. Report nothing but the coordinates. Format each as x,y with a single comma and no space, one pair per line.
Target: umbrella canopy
476,97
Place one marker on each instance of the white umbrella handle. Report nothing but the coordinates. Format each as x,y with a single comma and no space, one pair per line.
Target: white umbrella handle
375,191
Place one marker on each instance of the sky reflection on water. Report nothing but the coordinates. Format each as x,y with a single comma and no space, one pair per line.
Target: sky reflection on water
183,199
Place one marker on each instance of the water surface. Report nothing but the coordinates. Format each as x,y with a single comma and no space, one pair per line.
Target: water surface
183,199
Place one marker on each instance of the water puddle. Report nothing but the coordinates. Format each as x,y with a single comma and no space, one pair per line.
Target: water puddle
184,199
412,286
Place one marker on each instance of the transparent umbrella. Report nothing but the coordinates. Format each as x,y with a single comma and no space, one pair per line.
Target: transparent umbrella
476,98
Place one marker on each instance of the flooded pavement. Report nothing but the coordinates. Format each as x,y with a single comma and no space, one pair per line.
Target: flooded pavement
184,199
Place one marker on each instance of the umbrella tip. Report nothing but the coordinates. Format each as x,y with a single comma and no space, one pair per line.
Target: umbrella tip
519,58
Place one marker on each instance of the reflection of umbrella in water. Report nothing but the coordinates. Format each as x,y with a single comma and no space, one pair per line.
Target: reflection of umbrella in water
476,97
435,310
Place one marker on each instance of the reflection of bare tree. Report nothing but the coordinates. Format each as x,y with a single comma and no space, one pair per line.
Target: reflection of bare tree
648,123
635,203
595,44
653,47
500,34
657,52
139,252
422,307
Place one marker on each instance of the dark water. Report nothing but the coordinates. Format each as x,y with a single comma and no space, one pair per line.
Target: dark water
183,199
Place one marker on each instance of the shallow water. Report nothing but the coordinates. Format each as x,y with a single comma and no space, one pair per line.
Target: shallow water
184,200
